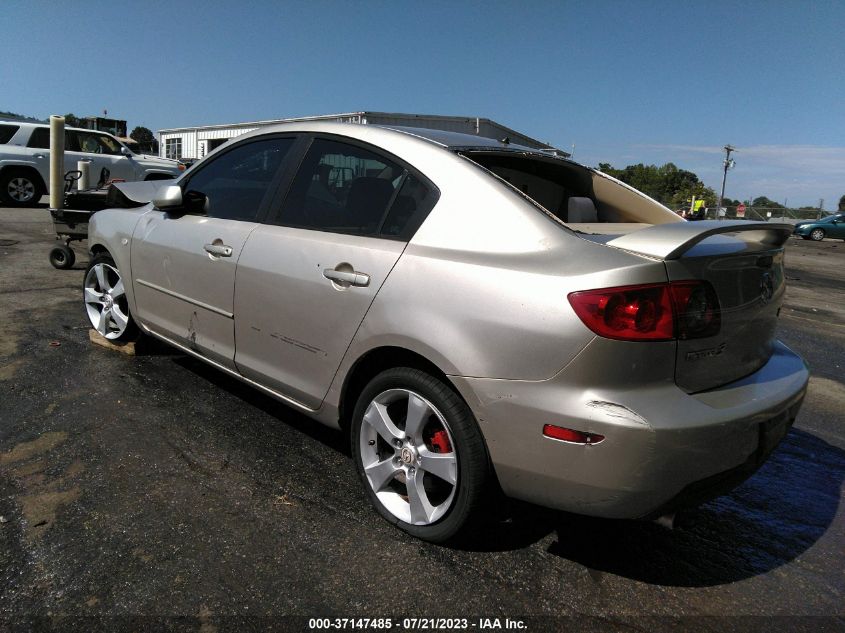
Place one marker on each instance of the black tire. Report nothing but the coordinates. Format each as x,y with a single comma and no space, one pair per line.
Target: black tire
473,480
817,235
62,257
112,329
20,188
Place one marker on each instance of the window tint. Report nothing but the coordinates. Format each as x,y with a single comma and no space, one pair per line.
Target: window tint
342,188
40,138
7,132
409,209
235,183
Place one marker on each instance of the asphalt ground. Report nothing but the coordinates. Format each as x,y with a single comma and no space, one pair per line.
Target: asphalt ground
154,493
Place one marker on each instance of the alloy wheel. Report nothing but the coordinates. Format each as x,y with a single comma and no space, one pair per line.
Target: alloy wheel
817,235
20,189
408,456
105,301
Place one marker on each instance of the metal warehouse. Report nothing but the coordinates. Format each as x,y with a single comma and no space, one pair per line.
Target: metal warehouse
196,142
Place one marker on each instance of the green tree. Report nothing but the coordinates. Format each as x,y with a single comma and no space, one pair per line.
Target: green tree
841,207
764,202
71,120
145,138
667,184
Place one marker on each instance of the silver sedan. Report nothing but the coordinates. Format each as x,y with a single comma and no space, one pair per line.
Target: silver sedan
477,316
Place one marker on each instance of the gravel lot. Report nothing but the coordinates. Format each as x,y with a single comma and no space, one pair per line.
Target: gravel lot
154,493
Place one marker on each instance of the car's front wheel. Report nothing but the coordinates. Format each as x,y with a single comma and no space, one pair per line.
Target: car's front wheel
419,454
105,300
817,235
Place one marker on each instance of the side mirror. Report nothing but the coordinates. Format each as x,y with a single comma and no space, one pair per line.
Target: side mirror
168,197
125,150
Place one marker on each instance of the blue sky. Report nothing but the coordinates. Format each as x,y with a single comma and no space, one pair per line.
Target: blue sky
625,82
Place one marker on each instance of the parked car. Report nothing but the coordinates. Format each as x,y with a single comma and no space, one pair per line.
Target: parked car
472,314
25,160
817,230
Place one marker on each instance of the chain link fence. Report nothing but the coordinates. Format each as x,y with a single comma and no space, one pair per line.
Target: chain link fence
766,214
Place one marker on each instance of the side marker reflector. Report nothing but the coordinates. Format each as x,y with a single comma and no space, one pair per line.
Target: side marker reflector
570,435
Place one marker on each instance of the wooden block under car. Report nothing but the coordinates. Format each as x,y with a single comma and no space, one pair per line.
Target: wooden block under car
98,339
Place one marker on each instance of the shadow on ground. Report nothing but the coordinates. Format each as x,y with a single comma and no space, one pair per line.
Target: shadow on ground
770,520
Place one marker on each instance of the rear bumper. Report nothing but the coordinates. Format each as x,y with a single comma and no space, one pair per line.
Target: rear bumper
663,448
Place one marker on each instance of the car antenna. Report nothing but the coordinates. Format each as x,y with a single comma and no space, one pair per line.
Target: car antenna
506,140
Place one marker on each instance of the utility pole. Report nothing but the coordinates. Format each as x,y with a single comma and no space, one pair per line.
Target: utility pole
821,206
728,164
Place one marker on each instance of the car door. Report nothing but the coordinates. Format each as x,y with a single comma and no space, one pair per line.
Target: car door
40,140
101,151
183,262
307,277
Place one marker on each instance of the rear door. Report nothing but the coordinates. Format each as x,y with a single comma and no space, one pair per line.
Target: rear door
307,278
183,262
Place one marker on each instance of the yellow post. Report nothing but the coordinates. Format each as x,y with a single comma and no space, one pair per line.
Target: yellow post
57,161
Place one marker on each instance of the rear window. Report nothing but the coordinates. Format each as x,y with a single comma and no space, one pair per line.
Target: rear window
7,132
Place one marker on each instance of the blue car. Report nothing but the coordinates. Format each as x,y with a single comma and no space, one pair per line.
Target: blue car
817,230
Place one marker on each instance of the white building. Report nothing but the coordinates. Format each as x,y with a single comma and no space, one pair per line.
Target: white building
196,142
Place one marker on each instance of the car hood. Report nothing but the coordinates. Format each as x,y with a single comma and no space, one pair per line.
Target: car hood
135,194
158,160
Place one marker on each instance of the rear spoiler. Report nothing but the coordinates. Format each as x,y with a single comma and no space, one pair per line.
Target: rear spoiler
672,240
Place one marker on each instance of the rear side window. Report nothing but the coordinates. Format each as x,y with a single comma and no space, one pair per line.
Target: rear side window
235,183
7,132
40,138
343,188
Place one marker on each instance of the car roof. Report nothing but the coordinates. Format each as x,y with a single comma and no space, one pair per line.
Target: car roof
452,141
47,125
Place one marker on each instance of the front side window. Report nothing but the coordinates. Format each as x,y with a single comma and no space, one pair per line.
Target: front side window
92,143
7,132
173,148
233,185
342,188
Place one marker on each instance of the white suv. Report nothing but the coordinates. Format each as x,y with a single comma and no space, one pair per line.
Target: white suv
25,160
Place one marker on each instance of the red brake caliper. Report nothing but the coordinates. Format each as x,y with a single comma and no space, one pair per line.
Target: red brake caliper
440,442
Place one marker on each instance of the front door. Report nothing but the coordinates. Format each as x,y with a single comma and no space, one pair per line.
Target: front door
102,151
184,261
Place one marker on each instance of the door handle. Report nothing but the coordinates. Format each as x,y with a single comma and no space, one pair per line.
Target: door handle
352,278
40,155
218,250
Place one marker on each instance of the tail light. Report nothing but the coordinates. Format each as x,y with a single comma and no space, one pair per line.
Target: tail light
652,312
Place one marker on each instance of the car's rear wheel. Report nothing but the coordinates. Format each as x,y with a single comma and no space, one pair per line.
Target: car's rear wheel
105,300
817,235
419,453
19,188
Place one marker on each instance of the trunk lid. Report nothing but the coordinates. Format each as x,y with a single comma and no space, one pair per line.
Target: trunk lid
743,261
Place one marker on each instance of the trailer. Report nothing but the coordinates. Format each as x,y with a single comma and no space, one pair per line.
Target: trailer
70,221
